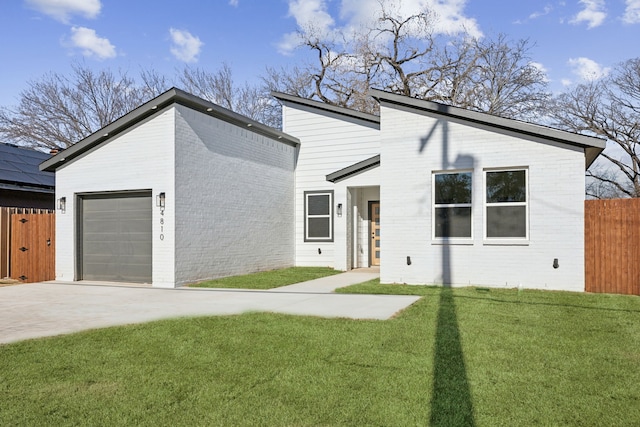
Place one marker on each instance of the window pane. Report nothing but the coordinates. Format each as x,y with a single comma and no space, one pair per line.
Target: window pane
318,228
453,188
318,204
506,221
453,222
506,186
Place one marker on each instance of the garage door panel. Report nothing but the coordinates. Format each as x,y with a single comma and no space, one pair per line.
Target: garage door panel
107,235
116,238
105,249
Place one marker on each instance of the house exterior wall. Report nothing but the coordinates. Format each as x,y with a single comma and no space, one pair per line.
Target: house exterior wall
328,142
414,145
140,159
234,199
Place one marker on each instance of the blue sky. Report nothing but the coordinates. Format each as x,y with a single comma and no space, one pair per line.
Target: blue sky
574,39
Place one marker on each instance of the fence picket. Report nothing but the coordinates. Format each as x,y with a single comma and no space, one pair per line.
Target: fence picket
612,233
37,263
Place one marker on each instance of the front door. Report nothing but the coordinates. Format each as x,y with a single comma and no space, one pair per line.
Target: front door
374,217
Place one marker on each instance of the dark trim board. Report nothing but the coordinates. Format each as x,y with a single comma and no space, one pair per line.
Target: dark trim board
363,166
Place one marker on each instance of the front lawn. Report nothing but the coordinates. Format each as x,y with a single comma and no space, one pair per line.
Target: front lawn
457,357
269,279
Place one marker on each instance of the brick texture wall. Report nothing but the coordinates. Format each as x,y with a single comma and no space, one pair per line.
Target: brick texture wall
415,145
235,199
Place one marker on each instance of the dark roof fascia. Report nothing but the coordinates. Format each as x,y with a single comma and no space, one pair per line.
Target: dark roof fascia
327,107
365,165
156,105
593,146
27,188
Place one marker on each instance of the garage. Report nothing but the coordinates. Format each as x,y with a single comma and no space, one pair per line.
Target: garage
115,237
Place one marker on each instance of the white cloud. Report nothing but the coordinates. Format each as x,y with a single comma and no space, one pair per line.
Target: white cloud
62,10
566,82
632,12
185,46
288,43
540,68
593,13
545,11
313,17
91,45
449,17
233,3
588,69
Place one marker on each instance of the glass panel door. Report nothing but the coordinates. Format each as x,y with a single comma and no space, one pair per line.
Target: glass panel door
374,217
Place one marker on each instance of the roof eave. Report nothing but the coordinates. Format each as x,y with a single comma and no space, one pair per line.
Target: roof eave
591,143
343,111
591,154
362,166
148,109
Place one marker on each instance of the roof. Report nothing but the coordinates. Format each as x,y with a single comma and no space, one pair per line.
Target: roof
592,146
354,169
19,169
153,107
327,107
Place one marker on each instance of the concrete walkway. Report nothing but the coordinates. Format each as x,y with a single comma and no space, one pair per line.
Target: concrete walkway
53,308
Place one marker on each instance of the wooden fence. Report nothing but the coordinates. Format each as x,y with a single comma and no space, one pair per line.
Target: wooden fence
612,246
27,244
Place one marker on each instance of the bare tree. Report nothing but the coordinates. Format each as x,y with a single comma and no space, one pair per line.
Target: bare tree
504,80
609,108
401,54
253,101
57,111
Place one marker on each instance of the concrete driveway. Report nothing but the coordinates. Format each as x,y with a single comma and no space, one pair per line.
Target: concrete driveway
53,308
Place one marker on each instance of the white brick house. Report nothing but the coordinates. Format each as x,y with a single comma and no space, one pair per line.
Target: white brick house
226,182
430,193
436,194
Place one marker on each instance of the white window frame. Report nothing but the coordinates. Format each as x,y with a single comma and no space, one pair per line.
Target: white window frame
307,216
434,207
506,240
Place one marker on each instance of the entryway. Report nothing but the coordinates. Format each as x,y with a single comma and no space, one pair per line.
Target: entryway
363,227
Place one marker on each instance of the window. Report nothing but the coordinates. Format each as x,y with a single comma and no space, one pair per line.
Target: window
452,205
318,216
506,204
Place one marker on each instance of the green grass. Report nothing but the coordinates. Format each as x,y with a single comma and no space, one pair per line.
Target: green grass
456,357
269,279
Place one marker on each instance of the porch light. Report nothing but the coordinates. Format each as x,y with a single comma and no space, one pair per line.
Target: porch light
339,209
62,204
160,198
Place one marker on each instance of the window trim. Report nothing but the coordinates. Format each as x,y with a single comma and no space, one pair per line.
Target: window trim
306,215
440,240
506,240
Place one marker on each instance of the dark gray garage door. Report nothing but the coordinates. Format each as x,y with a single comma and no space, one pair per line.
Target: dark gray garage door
116,237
